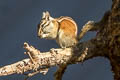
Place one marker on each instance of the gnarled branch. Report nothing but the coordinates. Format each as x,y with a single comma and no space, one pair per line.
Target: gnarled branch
43,60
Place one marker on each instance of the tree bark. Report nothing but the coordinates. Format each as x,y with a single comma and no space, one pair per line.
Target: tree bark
113,38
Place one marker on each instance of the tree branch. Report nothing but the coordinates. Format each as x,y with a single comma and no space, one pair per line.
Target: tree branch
43,60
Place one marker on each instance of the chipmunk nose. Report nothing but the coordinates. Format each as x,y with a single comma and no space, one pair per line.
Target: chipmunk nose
39,33
40,36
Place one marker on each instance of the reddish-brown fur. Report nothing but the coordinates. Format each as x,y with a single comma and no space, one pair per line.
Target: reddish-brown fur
68,27
67,35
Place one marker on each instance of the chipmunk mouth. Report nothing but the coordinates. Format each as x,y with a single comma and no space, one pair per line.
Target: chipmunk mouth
44,36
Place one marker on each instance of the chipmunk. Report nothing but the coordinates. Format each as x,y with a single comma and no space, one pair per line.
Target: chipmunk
62,29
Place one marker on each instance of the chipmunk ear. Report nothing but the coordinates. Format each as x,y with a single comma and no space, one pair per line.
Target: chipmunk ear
48,17
47,13
43,16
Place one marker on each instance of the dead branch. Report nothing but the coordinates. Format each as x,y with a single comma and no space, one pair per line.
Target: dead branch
43,60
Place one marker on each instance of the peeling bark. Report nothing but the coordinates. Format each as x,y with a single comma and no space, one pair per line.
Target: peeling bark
43,60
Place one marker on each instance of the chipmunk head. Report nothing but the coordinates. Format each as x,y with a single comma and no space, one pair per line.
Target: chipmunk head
48,27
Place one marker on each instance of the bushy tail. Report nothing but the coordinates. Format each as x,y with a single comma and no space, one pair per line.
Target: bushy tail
87,27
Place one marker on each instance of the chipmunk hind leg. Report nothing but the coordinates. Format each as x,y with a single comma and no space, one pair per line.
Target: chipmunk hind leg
67,41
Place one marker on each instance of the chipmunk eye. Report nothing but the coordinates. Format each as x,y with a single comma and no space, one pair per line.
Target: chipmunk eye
46,24
45,32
